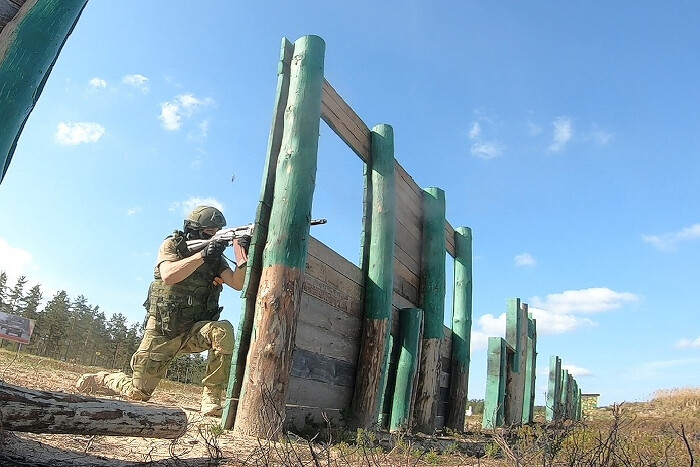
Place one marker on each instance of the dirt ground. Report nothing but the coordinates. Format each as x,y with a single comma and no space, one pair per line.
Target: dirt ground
203,443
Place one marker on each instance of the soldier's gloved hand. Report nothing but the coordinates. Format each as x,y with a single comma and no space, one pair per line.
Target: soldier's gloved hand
213,250
244,242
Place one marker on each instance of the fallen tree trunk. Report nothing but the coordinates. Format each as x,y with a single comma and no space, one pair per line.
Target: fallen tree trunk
23,409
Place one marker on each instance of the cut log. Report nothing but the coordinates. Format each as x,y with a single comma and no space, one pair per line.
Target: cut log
23,409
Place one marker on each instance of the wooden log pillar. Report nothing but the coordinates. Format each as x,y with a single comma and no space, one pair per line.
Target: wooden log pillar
552,412
29,47
432,299
564,396
494,401
516,338
249,292
380,204
261,407
530,370
461,329
411,323
579,406
23,409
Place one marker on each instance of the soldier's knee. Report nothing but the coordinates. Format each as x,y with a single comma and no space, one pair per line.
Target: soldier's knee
222,336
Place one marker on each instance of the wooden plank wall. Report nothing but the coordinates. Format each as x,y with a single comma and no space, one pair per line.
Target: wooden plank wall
328,330
8,10
328,337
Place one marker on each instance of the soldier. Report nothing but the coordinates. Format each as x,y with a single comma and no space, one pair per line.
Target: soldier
183,315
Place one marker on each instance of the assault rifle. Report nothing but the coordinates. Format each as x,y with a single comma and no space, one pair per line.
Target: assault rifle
229,235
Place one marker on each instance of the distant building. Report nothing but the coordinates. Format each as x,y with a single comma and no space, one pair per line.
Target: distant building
589,402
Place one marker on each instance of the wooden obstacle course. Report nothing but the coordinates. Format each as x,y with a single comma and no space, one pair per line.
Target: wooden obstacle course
348,317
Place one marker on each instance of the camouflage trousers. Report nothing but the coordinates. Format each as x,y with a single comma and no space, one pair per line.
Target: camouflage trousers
155,353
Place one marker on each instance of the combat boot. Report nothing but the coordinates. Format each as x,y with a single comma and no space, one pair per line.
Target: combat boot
94,383
211,401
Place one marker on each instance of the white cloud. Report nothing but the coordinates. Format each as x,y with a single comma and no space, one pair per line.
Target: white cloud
562,133
557,323
525,259
15,261
487,326
133,211
77,133
668,241
592,300
533,129
601,136
687,343
475,130
98,83
487,150
576,371
184,105
137,81
186,207
481,146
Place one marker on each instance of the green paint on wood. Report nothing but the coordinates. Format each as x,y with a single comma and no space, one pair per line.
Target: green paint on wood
554,389
530,371
432,284
411,320
28,50
514,326
262,219
288,234
563,398
379,286
378,266
462,297
494,409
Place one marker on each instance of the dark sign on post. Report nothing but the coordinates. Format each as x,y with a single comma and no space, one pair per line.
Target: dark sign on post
16,328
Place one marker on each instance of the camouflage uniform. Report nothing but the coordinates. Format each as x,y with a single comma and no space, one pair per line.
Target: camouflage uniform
182,319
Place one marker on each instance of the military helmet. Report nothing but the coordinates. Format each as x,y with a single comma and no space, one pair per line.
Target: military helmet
204,217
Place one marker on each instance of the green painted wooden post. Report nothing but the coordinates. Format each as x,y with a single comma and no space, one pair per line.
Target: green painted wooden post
432,298
261,406
516,338
495,384
372,368
530,370
411,321
262,218
579,407
461,329
29,47
553,389
563,406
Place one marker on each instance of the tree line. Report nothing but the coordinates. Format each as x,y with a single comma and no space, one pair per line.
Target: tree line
74,331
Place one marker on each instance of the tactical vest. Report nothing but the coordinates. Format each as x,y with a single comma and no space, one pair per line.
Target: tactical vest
177,307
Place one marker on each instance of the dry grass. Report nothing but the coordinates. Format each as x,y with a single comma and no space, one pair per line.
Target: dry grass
662,432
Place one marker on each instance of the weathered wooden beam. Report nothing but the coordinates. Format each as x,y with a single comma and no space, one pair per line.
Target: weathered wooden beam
461,329
411,323
29,46
345,122
23,409
262,403
380,201
262,218
432,299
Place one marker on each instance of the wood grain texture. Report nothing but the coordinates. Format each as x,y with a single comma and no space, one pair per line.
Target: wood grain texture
23,409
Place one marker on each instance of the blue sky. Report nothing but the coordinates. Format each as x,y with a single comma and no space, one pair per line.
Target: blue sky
565,135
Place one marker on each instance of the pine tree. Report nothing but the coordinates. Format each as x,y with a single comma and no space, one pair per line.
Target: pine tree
3,291
55,324
15,296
